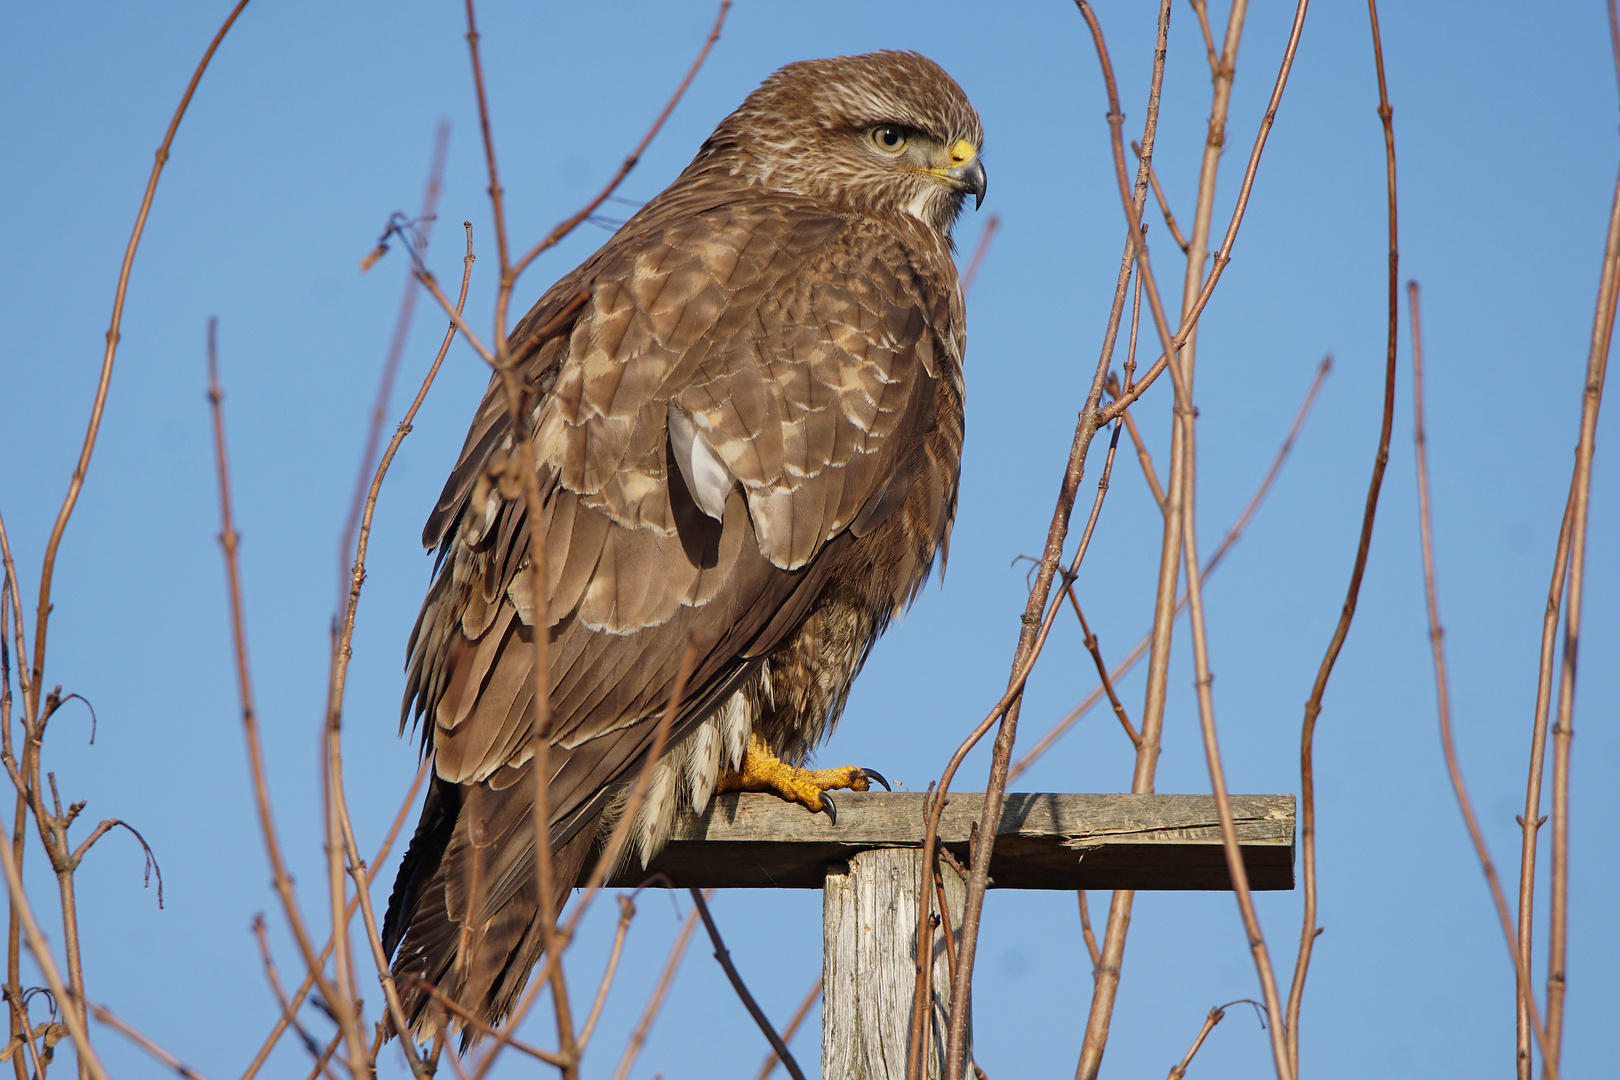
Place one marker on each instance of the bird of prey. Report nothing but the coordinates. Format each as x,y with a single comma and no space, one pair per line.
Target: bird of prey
747,429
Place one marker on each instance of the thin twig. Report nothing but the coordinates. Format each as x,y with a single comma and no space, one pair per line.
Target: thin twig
1142,455
1107,971
1158,192
326,1056
1031,640
1200,8
1206,716
980,250
724,957
627,912
771,1060
1597,362
297,999
396,351
610,851
1189,320
104,381
1531,821
568,224
274,978
523,465
474,1020
1442,689
632,1048
1086,932
1102,668
1233,535
228,539
1216,1015
1313,707
103,1014
344,848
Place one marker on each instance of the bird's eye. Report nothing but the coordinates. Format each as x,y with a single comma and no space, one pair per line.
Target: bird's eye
890,138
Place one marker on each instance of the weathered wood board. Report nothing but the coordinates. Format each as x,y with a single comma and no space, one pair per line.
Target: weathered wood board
869,965
1045,841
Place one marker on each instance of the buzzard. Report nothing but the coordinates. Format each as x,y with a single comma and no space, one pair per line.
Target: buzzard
747,418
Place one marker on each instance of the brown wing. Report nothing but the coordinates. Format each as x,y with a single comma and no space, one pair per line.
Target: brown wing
739,393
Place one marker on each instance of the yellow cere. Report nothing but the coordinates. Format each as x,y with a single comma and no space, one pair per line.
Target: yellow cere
962,152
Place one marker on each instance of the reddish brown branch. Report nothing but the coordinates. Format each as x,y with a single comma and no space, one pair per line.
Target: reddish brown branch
297,999
567,225
1102,669
43,611
980,250
1086,931
724,957
1442,689
1232,536
1313,707
274,978
472,1019
771,1060
1597,363
1531,821
627,912
1158,192
655,1003
341,843
396,350
1216,1015
103,1014
609,857
228,538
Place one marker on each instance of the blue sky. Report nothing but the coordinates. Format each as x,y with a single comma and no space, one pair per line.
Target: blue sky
315,123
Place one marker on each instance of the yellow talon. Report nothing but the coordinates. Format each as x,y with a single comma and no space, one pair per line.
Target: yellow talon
763,771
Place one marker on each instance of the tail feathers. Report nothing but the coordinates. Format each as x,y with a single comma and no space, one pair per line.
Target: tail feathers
464,911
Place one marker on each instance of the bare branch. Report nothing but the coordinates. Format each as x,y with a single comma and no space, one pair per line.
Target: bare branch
1442,690
1597,363
627,912
309,979
103,1014
1233,535
250,723
567,225
43,611
771,1060
638,1037
1313,706
724,956
980,250
1153,178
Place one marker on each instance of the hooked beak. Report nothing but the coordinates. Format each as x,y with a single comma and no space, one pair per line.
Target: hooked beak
971,177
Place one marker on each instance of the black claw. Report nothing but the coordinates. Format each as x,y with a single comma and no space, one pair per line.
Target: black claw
831,809
873,774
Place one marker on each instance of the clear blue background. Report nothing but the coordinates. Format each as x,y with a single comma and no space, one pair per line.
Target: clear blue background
315,122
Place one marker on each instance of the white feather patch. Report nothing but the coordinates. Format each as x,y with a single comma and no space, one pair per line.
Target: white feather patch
657,813
706,476
919,204
703,763
735,724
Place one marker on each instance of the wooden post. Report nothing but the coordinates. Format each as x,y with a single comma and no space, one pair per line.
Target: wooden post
868,962
868,866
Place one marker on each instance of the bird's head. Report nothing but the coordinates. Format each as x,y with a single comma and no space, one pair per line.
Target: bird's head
885,132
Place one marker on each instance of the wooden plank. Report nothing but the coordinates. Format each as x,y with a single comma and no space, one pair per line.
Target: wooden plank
1045,841
868,957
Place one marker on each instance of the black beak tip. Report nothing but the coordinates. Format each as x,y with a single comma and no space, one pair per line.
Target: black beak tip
978,183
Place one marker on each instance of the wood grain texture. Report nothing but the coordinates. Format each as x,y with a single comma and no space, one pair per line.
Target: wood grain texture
869,923
1045,841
